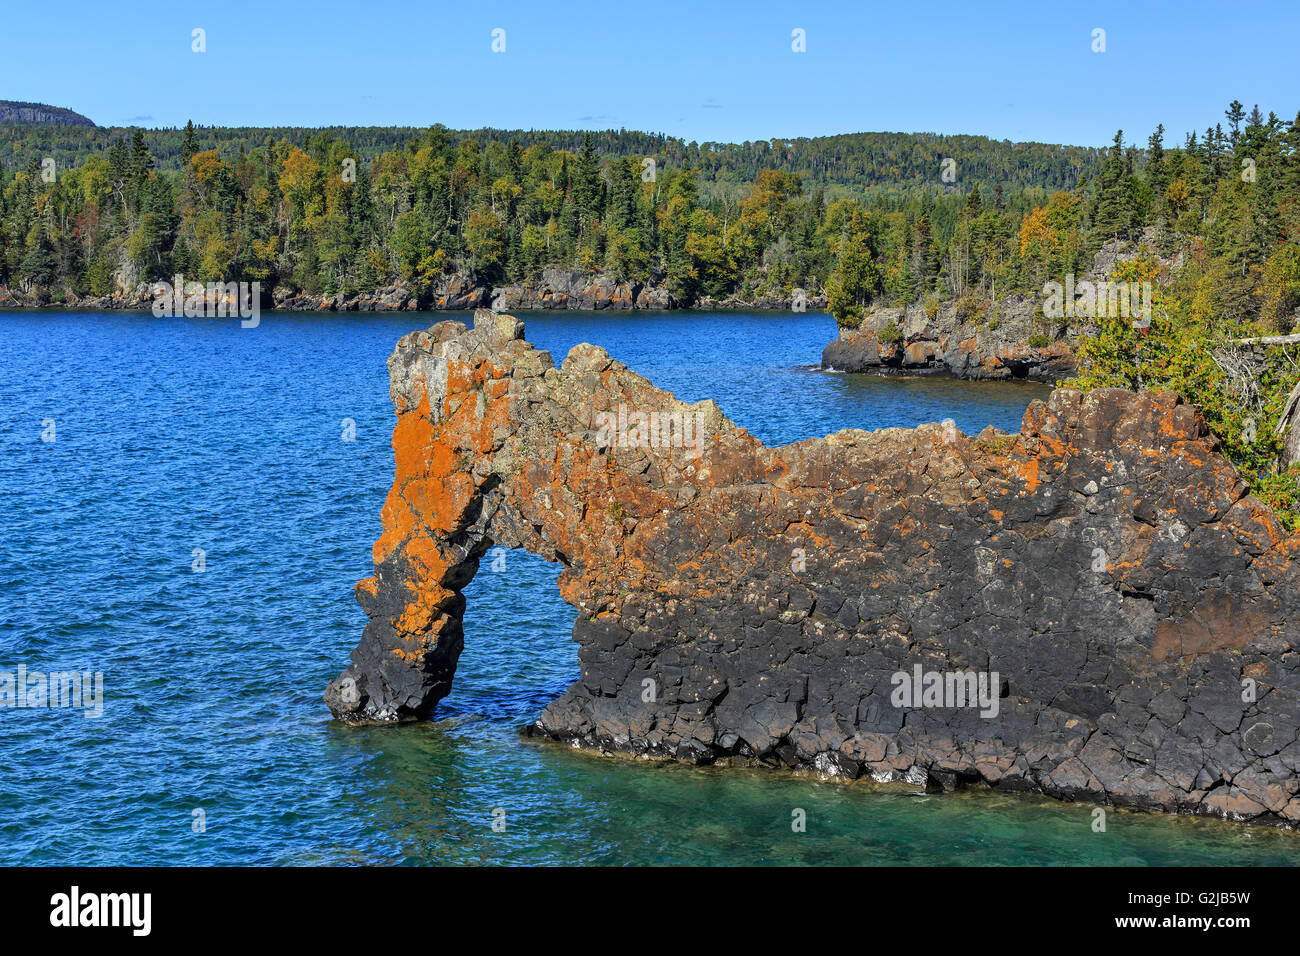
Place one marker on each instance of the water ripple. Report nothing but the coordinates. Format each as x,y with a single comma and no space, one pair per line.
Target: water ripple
182,435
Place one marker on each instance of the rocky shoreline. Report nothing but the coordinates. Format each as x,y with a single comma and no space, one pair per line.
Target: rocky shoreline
1126,613
975,337
905,340
569,289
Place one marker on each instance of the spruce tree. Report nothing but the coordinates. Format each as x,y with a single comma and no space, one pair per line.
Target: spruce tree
189,143
1234,113
1115,207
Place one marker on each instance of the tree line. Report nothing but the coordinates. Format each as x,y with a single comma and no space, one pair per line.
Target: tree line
329,216
870,219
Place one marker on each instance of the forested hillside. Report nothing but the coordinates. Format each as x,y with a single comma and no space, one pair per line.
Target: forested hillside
853,163
869,219
351,210
868,216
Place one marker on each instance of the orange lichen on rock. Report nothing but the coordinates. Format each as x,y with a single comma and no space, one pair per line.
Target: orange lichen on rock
1106,564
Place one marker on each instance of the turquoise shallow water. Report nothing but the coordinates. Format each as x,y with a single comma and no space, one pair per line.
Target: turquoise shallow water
175,435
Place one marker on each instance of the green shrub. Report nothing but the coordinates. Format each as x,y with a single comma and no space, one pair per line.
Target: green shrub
1281,492
970,308
1176,353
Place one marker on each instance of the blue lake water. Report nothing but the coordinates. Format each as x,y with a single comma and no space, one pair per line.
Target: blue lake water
175,436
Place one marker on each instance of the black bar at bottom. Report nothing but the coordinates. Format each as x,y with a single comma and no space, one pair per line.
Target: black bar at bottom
364,906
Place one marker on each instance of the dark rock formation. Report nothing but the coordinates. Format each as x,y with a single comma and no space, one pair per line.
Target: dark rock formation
1138,607
14,112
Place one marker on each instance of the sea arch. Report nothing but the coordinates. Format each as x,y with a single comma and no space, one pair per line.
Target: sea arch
740,602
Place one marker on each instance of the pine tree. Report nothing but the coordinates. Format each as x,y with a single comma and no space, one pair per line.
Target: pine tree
586,181
1234,113
1157,173
189,143
923,263
1115,207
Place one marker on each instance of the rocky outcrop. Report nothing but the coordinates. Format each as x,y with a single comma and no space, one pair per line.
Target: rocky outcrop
570,289
799,301
555,289
453,293
948,346
393,298
976,337
138,297
134,296
1129,611
593,292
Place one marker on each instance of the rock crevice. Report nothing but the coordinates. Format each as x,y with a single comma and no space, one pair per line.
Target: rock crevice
1132,608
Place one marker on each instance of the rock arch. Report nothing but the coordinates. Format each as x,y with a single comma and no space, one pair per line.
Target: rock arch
758,604
493,446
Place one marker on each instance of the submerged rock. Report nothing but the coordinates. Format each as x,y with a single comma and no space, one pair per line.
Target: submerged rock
1125,612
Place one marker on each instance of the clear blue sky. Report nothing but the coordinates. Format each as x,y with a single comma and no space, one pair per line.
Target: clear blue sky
701,70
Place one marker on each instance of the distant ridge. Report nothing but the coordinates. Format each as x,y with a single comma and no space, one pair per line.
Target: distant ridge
13,112
846,164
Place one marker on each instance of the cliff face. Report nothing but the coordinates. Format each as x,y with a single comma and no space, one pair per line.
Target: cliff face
573,289
1120,612
13,112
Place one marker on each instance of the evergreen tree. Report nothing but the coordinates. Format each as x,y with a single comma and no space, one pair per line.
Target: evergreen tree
1114,214
1157,174
1234,113
189,144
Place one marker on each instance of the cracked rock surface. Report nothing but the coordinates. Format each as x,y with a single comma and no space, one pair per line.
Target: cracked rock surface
1139,607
